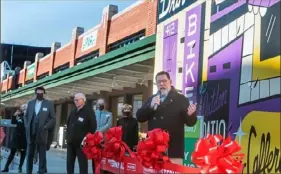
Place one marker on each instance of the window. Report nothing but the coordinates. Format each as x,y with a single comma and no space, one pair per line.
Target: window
128,40
93,55
119,106
137,103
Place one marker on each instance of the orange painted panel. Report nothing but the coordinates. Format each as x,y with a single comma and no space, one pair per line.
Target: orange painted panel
10,82
43,65
63,55
21,77
4,85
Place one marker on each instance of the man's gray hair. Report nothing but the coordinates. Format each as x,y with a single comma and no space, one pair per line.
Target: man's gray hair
81,95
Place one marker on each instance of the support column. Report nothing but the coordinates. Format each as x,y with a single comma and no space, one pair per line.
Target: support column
107,14
26,64
76,32
58,118
55,46
147,93
38,56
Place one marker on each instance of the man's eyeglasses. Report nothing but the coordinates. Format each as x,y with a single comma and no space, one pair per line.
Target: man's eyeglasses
161,81
76,100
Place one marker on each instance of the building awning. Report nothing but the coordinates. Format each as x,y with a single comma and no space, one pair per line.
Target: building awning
124,67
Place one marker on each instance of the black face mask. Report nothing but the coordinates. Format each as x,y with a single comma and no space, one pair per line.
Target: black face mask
39,96
101,107
127,114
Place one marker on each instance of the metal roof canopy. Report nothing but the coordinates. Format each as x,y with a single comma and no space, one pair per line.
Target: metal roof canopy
116,70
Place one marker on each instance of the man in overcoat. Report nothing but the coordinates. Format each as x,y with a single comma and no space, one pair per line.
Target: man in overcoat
39,120
169,110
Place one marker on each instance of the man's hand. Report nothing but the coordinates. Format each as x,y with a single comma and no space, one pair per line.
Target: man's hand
191,109
155,100
82,143
17,113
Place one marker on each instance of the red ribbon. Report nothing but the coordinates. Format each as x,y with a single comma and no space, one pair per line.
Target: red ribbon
151,151
214,154
92,148
114,147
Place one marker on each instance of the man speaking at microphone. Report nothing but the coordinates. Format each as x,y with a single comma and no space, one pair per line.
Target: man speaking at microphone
170,111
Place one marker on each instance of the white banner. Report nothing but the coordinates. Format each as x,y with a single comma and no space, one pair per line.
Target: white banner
89,40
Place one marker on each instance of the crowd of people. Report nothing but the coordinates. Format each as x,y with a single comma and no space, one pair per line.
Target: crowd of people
36,121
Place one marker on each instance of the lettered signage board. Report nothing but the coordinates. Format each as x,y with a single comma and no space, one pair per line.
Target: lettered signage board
168,8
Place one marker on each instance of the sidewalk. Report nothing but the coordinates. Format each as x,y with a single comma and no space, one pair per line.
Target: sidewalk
56,162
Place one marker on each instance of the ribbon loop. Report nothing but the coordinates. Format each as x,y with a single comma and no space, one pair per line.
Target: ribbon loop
213,154
151,151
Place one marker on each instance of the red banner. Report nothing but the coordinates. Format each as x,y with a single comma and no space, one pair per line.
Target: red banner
132,165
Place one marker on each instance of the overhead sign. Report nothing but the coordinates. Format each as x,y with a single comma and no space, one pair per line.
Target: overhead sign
30,70
168,8
89,40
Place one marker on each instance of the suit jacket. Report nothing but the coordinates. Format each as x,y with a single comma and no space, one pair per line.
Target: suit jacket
104,120
47,121
79,124
171,115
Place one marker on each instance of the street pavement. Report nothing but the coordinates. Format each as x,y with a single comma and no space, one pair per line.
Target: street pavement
56,162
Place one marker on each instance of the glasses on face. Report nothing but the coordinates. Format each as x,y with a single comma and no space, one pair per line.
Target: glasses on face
76,100
162,81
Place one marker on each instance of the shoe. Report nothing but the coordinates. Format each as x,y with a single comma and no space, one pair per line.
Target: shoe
19,170
5,170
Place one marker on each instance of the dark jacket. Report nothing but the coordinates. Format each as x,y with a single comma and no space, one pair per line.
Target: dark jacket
171,115
18,139
130,131
79,124
47,121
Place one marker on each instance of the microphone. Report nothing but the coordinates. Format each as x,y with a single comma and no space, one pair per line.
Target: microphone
156,105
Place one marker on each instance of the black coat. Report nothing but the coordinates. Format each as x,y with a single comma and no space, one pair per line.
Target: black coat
79,124
171,115
130,131
18,139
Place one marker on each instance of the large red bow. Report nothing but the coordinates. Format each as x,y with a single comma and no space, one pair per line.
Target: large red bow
151,151
114,147
217,155
92,147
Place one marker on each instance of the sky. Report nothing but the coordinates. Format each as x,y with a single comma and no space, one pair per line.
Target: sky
42,22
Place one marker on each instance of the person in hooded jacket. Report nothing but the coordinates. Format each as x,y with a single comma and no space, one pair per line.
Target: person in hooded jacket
18,141
129,126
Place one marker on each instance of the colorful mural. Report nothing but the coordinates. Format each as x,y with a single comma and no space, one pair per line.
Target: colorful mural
228,61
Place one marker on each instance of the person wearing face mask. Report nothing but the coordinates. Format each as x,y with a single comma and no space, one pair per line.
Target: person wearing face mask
170,111
39,120
129,126
18,141
104,118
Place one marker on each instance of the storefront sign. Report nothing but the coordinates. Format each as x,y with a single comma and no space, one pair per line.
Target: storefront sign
170,49
191,135
191,53
214,106
195,131
168,8
189,145
30,71
89,40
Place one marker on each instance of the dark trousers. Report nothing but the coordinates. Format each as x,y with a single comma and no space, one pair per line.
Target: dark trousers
11,157
31,148
72,153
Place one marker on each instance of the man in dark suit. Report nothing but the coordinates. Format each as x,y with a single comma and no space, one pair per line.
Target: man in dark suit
170,111
39,120
81,121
